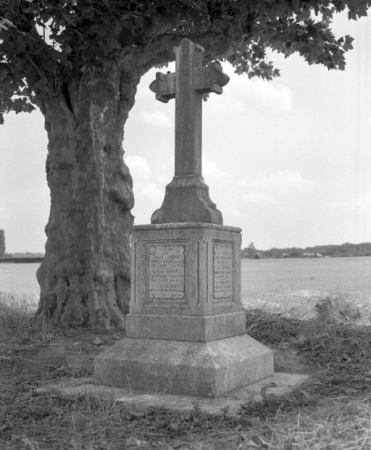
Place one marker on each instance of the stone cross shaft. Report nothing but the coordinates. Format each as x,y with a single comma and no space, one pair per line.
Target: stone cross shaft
187,198
187,86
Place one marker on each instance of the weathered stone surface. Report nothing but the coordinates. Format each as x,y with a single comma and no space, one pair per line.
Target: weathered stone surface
187,196
206,369
191,285
191,204
186,328
230,403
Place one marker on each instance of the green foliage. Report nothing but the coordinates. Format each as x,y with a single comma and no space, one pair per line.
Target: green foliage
45,44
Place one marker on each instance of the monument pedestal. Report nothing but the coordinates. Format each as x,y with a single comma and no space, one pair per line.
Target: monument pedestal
201,369
186,331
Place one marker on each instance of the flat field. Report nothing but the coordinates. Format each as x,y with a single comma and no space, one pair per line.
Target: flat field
294,286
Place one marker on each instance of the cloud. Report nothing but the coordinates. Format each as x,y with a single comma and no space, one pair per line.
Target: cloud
283,181
230,104
5,214
149,191
163,180
244,93
139,168
148,196
231,213
143,90
275,96
258,198
211,170
362,203
157,118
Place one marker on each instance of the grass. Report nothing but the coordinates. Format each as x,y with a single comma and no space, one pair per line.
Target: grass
16,310
19,300
352,307
331,411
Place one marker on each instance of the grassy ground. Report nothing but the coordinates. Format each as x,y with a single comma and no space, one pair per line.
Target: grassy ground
332,411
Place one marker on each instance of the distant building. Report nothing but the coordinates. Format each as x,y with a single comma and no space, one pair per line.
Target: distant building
2,243
312,255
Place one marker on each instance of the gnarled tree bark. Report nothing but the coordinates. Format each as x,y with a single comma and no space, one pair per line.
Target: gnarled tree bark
85,276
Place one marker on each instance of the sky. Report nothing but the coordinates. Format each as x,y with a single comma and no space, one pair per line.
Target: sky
287,161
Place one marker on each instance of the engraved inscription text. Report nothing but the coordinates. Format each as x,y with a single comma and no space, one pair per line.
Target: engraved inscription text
166,272
223,264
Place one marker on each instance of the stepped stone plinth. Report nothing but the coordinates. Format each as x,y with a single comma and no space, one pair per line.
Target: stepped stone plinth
186,331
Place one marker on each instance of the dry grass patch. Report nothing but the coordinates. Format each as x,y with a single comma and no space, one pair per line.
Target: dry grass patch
19,301
333,425
16,319
338,356
331,411
351,308
48,422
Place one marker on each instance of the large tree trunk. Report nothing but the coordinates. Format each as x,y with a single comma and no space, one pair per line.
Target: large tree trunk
85,276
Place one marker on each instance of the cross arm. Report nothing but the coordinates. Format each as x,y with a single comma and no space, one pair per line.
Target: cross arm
213,80
164,86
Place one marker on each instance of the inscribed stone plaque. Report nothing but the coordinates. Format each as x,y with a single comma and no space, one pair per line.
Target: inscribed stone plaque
223,264
166,272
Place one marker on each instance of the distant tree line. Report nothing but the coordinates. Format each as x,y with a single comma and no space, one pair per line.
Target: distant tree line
2,242
318,251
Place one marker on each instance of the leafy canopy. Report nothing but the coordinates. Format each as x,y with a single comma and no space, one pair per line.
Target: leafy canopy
45,44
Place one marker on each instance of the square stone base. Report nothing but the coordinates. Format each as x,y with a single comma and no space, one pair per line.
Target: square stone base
185,269
186,328
203,369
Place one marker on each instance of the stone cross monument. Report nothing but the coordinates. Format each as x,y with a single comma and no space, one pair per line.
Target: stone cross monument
186,331
187,196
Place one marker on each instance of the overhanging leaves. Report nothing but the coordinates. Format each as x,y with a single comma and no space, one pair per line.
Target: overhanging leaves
44,44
